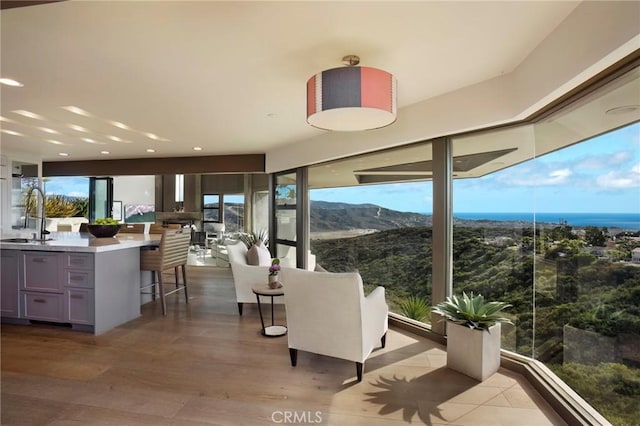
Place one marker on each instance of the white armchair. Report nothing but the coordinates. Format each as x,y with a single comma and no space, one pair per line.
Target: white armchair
246,276
328,314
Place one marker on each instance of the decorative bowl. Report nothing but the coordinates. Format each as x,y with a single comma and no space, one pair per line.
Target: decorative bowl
103,231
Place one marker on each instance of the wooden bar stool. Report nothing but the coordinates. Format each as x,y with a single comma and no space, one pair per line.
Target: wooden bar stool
172,253
158,228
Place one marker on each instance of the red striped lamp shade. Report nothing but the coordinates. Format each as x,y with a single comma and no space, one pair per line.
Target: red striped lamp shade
351,99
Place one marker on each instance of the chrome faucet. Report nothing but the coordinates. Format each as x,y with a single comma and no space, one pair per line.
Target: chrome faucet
43,230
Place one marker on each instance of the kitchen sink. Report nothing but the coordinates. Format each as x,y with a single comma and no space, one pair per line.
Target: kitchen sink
16,240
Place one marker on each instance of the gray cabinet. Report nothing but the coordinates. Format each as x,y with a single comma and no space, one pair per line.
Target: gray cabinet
41,290
57,287
10,283
41,271
78,282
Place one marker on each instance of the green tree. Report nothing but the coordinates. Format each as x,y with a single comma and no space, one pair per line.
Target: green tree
595,236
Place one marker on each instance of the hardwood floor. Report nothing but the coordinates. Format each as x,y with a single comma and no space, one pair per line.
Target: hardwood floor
202,364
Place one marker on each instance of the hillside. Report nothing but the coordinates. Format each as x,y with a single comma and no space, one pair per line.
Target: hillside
327,216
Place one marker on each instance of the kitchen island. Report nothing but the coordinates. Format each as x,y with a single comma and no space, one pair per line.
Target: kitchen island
93,284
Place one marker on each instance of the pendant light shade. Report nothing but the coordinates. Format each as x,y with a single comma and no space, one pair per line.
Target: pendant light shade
351,98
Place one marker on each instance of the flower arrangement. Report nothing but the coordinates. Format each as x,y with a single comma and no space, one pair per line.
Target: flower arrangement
275,267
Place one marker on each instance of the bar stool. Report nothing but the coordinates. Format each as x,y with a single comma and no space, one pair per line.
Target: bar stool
172,253
158,228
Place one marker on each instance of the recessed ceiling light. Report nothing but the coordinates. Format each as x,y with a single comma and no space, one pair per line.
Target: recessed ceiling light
11,82
76,110
151,150
119,125
29,114
11,132
63,154
76,127
114,138
55,142
89,140
48,130
105,152
8,120
197,148
152,136
622,109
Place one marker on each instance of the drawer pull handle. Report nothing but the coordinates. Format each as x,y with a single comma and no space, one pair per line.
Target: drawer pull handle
39,301
77,296
76,277
39,260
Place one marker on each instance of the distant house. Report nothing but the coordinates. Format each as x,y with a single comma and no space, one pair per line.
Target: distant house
635,255
599,252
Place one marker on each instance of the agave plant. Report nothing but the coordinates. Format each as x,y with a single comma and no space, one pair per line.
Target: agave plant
472,311
415,308
252,238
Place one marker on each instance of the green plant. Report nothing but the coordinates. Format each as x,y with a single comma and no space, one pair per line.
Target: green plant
472,311
415,308
59,206
252,238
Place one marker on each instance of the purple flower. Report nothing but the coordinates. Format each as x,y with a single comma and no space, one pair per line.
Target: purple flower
273,269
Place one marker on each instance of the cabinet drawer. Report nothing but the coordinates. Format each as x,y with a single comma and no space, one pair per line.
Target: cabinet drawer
73,278
78,261
42,306
79,306
42,271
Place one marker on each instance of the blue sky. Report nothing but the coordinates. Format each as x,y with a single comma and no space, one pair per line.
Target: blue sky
600,175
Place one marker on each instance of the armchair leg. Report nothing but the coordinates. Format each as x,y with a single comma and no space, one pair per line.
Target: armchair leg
240,308
359,367
383,340
293,353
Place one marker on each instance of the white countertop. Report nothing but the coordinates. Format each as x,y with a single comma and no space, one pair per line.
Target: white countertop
83,242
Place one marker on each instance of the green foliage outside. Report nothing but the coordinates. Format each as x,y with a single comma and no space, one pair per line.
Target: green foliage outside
60,206
614,389
572,288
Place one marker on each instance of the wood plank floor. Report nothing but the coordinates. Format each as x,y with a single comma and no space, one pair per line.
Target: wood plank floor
202,364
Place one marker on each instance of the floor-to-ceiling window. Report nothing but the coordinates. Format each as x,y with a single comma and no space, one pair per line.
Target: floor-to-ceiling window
550,226
233,206
372,214
210,211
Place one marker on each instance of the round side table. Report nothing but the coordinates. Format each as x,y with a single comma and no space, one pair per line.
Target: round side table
272,330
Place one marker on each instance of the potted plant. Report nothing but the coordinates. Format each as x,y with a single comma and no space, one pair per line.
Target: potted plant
273,273
473,334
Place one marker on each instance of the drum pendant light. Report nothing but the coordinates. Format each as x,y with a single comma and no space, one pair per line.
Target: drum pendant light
351,98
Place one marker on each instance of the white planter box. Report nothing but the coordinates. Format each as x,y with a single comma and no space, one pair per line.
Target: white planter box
473,352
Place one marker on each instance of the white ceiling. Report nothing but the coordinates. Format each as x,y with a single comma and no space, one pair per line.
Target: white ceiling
230,77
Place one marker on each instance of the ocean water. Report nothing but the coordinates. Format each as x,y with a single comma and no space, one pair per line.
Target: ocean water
627,221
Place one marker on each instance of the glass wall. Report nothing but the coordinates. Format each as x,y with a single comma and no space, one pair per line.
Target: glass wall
372,214
211,211
233,205
551,226
285,212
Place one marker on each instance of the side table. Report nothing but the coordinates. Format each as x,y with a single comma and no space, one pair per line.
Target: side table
272,330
